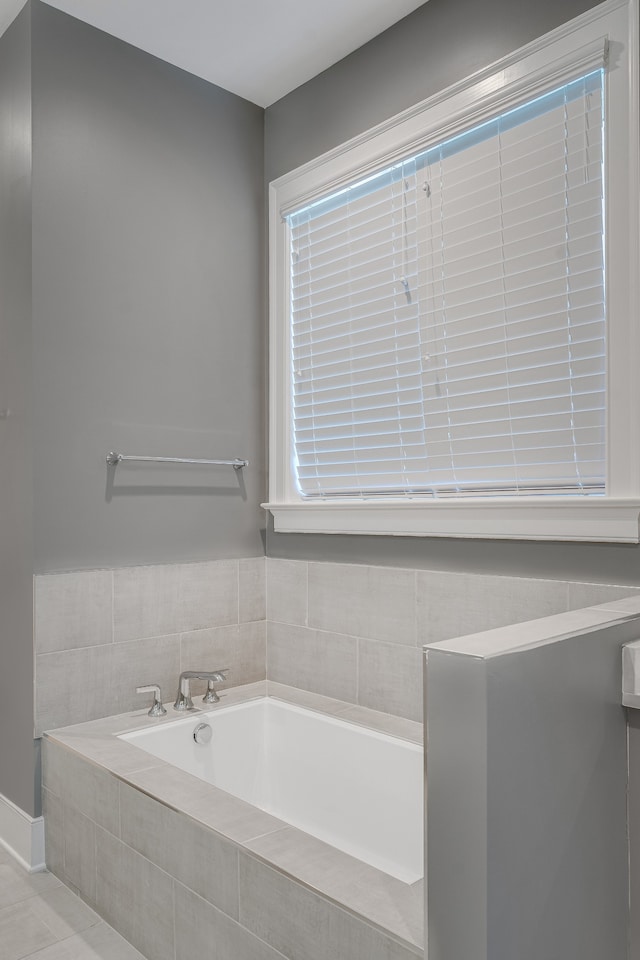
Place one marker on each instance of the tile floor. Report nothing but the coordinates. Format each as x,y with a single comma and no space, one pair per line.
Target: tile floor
41,919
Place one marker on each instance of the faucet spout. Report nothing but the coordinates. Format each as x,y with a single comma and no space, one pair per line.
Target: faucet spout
183,697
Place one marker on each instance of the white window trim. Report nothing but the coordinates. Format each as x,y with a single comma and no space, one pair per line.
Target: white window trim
541,65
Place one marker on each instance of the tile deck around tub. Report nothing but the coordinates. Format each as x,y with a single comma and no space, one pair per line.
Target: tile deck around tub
384,903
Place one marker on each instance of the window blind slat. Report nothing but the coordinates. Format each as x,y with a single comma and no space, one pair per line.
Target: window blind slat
371,327
541,172
543,236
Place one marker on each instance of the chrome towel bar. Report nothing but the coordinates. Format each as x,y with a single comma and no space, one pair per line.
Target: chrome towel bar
113,459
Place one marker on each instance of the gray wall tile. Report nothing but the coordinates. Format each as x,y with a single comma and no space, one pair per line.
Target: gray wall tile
70,686
302,925
453,605
325,663
591,594
376,896
53,832
374,602
395,726
73,610
215,808
190,852
202,931
135,897
241,649
252,589
85,672
84,684
390,678
135,664
172,598
80,852
81,785
51,776
287,591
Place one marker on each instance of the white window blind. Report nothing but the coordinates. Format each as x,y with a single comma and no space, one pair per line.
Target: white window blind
447,315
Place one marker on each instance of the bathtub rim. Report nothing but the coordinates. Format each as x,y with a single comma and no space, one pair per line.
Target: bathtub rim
388,724
385,903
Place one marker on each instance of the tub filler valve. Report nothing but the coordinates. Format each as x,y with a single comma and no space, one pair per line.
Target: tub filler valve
183,698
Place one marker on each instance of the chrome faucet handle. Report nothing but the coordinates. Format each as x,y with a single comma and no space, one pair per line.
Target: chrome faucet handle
216,676
157,710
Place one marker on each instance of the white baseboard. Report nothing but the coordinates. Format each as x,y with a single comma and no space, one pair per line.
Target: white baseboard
22,836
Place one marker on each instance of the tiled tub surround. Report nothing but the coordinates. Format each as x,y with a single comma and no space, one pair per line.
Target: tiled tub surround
183,869
356,632
527,847
101,633
348,631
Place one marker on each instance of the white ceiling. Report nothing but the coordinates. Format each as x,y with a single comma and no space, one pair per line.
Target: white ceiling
258,49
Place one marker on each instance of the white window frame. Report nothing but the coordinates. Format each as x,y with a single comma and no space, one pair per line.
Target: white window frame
608,31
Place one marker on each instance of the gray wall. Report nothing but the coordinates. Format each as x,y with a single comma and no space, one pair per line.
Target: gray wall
441,42
131,318
147,304
16,591
527,771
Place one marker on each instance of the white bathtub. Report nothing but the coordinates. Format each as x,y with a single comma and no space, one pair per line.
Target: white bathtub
355,788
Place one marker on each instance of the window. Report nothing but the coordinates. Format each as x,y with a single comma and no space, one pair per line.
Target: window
447,314
444,333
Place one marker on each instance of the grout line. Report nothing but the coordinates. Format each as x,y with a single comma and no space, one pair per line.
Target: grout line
113,607
237,562
348,636
175,939
266,649
306,606
238,880
95,856
119,643
62,837
267,833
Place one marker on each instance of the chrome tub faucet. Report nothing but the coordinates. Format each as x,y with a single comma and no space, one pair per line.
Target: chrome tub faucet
183,697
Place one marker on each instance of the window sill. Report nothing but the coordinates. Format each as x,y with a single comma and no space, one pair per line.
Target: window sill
593,520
